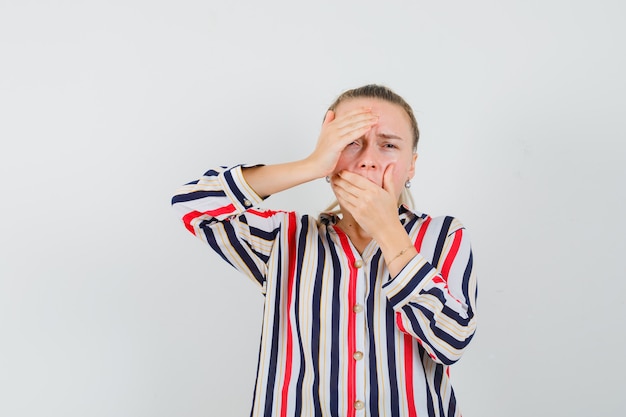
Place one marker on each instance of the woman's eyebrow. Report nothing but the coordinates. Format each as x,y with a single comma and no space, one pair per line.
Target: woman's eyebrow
389,136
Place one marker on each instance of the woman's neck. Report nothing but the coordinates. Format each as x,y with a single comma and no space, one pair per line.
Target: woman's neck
358,236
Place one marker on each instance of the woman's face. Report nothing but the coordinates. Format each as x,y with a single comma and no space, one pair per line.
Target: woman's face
389,142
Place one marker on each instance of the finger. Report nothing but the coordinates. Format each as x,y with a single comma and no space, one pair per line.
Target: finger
388,184
356,120
346,200
342,127
344,187
360,183
353,200
356,112
352,180
351,126
357,128
353,132
339,139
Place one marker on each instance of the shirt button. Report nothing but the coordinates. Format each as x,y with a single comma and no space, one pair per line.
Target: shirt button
357,308
359,405
357,355
247,203
358,263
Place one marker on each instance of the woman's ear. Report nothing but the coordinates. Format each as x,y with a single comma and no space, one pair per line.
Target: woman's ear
412,168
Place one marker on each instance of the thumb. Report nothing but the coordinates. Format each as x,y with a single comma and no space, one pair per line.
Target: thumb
388,180
329,117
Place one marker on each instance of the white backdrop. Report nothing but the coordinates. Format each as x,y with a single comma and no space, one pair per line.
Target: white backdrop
108,307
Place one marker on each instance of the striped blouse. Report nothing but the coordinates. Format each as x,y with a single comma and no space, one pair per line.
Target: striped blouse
340,336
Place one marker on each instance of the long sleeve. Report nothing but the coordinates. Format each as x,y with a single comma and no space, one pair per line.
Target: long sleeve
217,208
434,296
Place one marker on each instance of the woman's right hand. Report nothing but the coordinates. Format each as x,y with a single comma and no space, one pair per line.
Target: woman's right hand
336,134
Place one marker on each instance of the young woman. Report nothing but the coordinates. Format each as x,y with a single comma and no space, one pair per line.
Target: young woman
365,307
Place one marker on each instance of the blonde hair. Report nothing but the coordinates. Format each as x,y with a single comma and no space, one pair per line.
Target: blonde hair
386,94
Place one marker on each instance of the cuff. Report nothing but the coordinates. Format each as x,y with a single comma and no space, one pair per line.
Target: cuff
409,282
238,190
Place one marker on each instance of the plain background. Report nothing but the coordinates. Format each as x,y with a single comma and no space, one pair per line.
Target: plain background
108,307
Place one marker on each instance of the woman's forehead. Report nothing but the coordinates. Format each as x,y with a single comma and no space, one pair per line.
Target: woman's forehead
389,113
380,106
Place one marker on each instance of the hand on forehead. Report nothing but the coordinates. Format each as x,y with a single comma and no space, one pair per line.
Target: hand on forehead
393,119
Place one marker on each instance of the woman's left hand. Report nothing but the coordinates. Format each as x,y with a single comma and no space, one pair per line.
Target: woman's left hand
374,208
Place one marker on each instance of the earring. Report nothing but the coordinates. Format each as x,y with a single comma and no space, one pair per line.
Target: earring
327,178
407,184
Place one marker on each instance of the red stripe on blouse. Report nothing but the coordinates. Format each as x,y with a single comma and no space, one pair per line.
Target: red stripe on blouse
456,243
403,329
291,236
408,372
264,213
421,234
189,217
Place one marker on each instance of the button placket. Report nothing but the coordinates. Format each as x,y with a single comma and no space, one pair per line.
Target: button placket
358,355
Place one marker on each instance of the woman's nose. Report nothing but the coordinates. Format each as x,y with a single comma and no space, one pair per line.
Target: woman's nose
367,163
367,158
